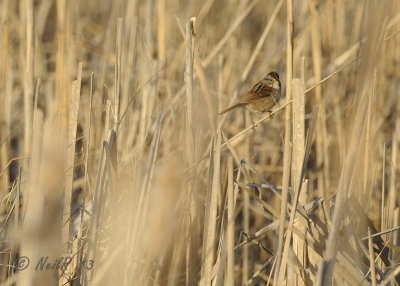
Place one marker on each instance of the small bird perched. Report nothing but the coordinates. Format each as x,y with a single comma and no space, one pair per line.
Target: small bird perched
262,97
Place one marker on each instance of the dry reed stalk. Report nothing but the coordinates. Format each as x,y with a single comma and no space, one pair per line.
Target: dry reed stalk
316,55
205,90
207,203
117,74
392,196
190,152
69,175
107,128
210,230
127,70
189,41
220,88
278,277
230,274
161,39
246,230
5,99
222,252
383,209
17,229
297,158
28,76
148,66
4,41
298,134
33,214
368,131
81,239
395,240
219,266
72,127
92,229
61,100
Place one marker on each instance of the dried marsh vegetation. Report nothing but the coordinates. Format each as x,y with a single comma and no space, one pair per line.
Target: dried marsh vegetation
115,168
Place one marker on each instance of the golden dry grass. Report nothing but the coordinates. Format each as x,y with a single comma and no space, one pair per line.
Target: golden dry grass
112,152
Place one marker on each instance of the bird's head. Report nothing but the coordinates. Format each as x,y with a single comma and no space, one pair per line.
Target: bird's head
274,75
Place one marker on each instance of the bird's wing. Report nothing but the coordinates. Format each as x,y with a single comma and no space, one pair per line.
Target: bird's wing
259,91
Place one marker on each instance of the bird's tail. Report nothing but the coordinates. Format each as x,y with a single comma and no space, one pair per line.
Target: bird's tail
230,108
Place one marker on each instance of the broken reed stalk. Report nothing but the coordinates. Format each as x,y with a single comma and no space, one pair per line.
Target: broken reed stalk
278,277
190,149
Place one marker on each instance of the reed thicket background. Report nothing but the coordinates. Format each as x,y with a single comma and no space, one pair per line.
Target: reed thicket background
113,153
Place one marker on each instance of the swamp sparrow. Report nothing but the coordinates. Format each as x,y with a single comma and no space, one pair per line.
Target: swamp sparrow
262,97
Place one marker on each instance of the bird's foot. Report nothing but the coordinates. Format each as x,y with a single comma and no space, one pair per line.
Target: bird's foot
252,121
271,115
